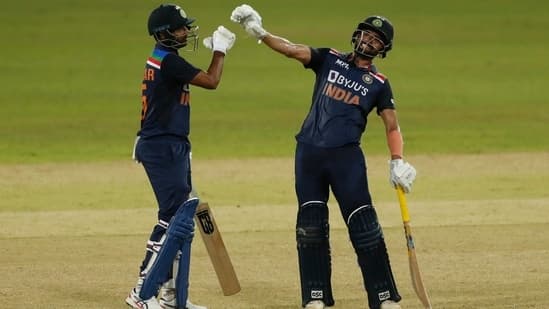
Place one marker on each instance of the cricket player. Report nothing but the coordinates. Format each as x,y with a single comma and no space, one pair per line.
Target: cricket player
328,155
163,148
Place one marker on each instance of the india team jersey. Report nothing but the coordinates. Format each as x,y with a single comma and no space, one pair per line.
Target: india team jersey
343,97
165,94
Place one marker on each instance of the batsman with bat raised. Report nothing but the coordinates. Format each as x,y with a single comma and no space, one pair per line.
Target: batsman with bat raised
328,155
163,147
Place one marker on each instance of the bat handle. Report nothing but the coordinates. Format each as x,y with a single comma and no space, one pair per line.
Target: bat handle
403,205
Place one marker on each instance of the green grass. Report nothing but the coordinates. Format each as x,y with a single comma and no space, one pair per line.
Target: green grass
468,78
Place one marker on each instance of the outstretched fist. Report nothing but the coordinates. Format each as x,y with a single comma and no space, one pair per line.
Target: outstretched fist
221,40
250,20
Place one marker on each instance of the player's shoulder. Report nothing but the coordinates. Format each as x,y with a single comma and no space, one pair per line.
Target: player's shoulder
333,51
336,53
159,56
174,61
325,51
341,58
172,56
379,76
382,78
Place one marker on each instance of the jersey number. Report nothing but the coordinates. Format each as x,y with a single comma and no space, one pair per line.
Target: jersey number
144,105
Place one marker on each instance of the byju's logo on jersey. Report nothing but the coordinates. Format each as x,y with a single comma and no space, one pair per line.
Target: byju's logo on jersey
337,78
341,88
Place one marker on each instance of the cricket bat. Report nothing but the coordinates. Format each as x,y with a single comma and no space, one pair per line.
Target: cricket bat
216,250
417,282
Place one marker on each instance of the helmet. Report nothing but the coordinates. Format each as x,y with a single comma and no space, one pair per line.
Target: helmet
167,18
380,25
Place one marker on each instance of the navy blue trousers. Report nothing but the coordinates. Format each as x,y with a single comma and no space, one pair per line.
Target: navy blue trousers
342,169
167,163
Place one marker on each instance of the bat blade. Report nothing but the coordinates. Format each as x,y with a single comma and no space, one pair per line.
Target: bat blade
216,250
415,274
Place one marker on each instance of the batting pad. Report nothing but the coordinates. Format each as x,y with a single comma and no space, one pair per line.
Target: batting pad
179,234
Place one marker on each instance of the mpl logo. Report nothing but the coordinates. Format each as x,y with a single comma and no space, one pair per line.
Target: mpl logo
205,222
342,64
317,294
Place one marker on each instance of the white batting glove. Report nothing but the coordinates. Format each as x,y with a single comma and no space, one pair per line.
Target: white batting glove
250,20
255,29
221,40
402,174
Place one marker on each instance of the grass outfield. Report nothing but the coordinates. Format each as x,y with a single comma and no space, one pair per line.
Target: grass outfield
469,79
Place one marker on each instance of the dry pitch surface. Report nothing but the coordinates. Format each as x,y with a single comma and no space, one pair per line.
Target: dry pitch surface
72,235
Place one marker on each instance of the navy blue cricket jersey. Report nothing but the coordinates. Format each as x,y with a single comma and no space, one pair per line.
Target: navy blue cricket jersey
165,94
343,97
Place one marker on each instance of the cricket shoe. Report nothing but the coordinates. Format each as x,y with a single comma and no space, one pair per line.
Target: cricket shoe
135,302
167,300
389,304
190,305
315,304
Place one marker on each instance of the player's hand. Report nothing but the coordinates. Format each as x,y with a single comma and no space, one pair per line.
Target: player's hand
221,40
182,230
250,20
402,174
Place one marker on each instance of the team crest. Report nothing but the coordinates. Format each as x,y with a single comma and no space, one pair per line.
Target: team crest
377,22
183,14
367,78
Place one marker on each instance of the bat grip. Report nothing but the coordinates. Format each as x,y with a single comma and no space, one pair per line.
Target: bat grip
403,205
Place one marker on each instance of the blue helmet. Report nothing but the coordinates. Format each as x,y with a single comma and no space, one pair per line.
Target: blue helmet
167,18
381,26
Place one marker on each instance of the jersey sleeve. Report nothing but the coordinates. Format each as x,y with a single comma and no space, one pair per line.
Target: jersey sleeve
385,98
317,58
178,69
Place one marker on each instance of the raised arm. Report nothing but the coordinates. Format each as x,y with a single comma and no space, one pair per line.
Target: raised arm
300,52
220,42
210,79
251,21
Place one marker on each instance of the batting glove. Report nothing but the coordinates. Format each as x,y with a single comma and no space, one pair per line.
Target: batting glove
221,40
250,20
401,174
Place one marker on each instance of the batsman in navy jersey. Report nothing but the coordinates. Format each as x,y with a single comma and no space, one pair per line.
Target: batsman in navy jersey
328,156
163,148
